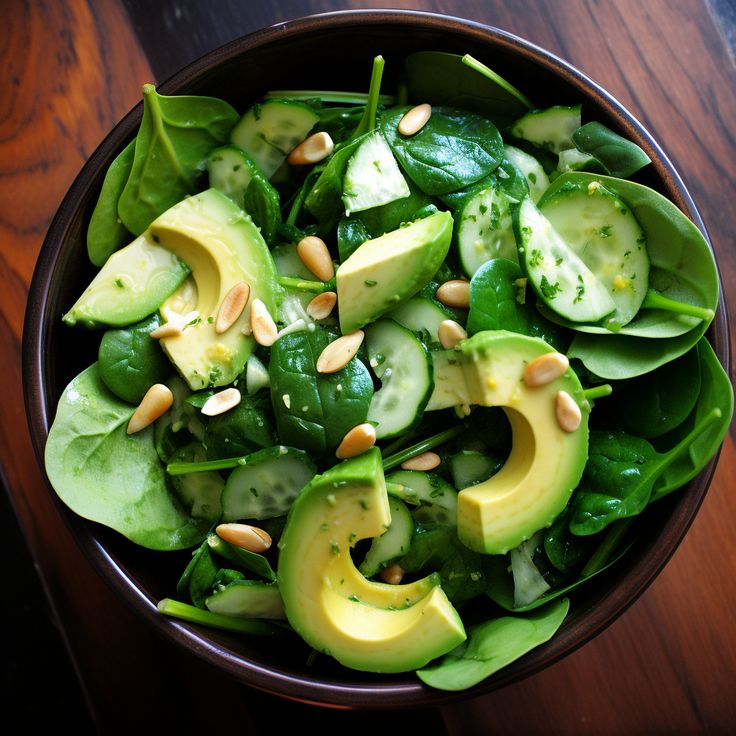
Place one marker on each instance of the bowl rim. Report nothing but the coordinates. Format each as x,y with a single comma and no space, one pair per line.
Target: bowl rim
379,695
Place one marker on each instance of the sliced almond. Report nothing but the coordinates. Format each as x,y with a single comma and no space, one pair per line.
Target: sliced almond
322,305
232,307
311,150
262,324
221,402
357,441
415,119
174,325
157,401
316,257
339,352
455,293
425,461
245,536
393,574
545,369
567,412
450,333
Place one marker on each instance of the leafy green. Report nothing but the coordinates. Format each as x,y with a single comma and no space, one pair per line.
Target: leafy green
110,477
175,137
131,361
617,155
242,558
106,233
314,411
492,645
453,149
351,234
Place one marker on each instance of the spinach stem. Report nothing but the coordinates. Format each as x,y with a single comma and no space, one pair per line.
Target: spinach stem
428,444
598,392
655,300
605,549
368,121
316,287
481,68
347,98
301,195
192,614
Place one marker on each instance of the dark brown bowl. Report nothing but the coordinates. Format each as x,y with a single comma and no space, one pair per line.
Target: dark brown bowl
331,51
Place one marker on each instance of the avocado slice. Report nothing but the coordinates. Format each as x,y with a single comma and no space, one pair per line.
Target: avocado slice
375,627
386,271
546,462
221,246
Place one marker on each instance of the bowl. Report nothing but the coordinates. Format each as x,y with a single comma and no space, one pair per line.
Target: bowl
302,54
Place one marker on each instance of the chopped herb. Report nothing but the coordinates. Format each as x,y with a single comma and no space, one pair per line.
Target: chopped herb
536,258
605,231
549,291
119,283
370,282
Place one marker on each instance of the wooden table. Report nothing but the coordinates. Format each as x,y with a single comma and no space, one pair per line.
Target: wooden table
74,67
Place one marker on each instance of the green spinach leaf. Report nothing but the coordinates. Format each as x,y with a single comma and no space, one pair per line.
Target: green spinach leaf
106,233
618,156
244,429
105,475
453,150
315,410
176,135
492,645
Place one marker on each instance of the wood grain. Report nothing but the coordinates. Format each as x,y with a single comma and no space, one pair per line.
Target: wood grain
74,68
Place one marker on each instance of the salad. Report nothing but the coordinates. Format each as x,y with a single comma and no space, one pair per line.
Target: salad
400,371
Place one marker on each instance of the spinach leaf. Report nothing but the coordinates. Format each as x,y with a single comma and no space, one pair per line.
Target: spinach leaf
243,558
657,402
618,156
110,477
495,304
388,217
453,150
461,81
244,429
566,551
315,410
438,548
131,361
106,233
198,577
171,148
492,645
351,234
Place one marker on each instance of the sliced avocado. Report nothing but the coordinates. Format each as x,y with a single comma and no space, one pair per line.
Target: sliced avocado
222,246
546,462
368,626
386,271
132,284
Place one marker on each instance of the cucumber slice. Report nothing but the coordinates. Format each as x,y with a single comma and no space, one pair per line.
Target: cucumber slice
573,160
551,128
557,274
372,177
469,468
403,364
602,230
532,170
269,131
393,543
265,486
256,376
247,599
422,316
199,493
485,229
435,499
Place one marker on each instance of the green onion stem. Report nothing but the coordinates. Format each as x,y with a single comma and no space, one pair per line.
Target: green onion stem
598,392
429,444
194,615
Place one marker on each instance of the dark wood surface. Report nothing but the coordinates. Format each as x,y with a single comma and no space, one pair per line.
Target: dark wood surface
73,68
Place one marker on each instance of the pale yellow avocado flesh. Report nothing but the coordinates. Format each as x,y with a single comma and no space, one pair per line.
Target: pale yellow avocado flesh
545,463
368,626
222,247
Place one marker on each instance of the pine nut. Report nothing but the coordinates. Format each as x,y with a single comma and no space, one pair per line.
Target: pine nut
156,402
322,305
174,325
221,402
316,257
357,441
232,307
262,324
339,352
425,461
393,574
415,119
450,333
245,536
545,369
454,293
567,412
315,148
